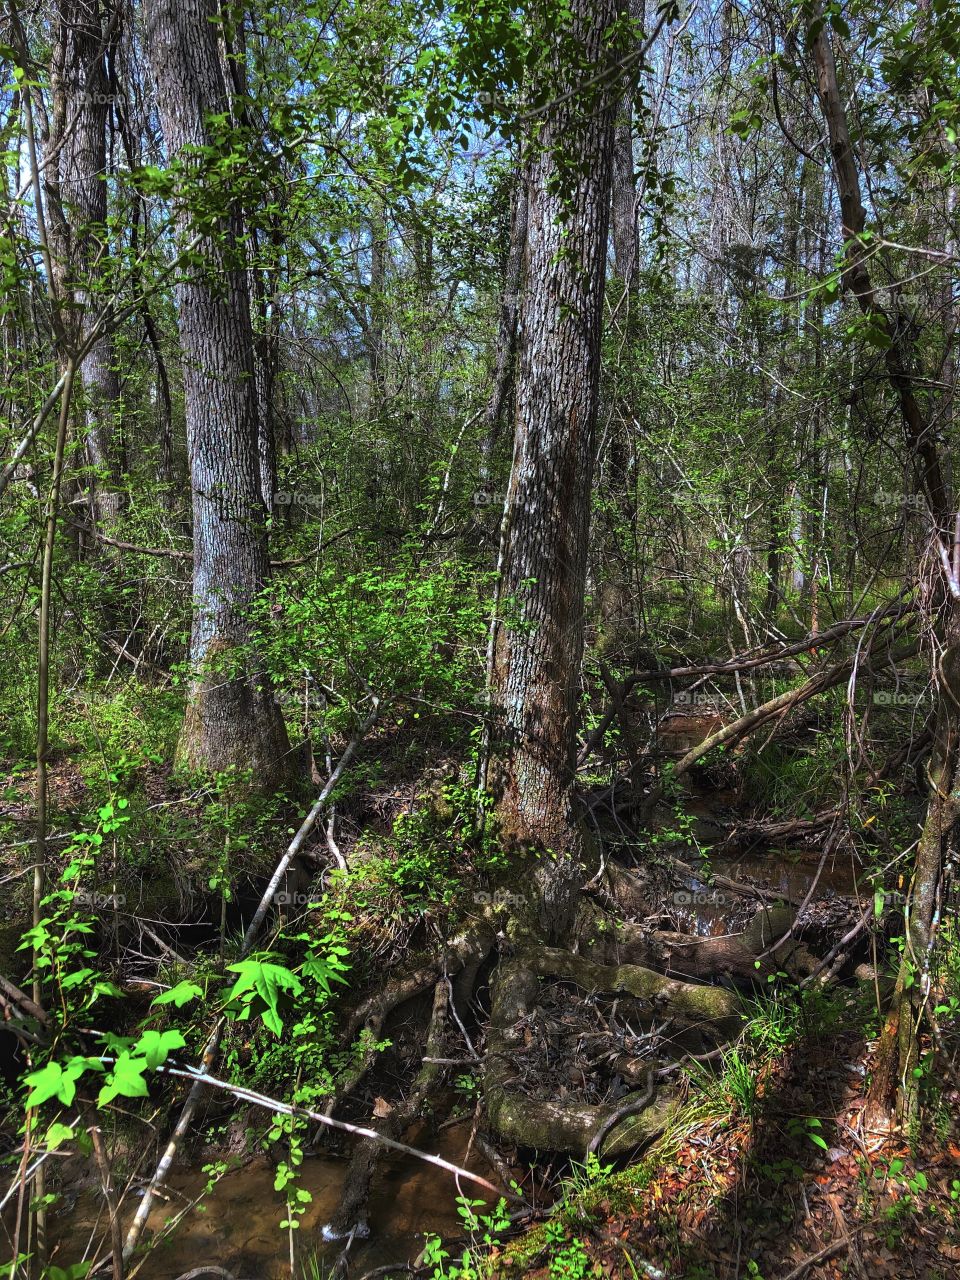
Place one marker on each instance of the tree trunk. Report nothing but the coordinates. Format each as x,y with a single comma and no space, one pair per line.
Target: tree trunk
546,524
898,1052
232,718
506,346
77,205
623,204
234,63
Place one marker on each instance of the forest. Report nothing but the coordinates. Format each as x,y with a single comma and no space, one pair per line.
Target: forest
480,631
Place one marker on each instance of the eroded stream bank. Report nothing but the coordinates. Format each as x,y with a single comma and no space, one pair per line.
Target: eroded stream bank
235,1224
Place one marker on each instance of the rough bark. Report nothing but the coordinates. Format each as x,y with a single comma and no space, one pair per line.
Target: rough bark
232,718
506,343
263,314
77,206
623,204
546,522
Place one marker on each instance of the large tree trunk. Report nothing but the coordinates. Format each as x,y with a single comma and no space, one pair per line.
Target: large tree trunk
232,719
263,317
623,204
77,204
546,525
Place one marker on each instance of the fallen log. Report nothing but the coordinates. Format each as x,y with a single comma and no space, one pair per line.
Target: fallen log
742,662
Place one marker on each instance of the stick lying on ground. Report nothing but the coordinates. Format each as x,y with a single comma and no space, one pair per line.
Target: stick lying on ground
286,1108
742,662
778,706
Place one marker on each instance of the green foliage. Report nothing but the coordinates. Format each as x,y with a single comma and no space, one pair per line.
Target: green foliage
405,634
486,1230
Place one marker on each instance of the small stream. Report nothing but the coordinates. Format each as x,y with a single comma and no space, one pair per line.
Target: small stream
237,1224
707,909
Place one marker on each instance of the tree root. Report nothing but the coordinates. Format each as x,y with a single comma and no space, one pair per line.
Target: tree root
742,957
471,946
571,1126
350,1217
464,951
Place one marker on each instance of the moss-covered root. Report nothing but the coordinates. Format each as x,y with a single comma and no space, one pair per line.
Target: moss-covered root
684,1000
570,1126
747,958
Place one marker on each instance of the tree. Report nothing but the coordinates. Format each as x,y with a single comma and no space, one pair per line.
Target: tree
232,718
898,1053
547,519
76,190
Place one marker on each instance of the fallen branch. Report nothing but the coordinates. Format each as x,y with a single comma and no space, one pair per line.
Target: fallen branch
778,706
820,1256
176,553
296,844
350,1215
733,666
207,1271
23,1001
288,1109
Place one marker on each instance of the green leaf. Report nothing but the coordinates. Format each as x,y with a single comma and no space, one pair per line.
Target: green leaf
325,969
58,1081
57,1135
261,982
179,995
75,979
49,1082
107,989
840,25
125,1080
156,1046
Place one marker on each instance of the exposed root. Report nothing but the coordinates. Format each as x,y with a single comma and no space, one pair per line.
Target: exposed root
465,951
571,1126
470,947
633,1108
350,1217
765,947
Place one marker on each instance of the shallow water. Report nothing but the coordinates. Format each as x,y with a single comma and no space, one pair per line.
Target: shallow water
238,1225
709,909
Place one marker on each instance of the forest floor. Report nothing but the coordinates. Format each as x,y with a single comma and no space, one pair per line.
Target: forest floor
761,1194
766,1174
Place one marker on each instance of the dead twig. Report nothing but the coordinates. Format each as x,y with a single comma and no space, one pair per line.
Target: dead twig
820,1256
